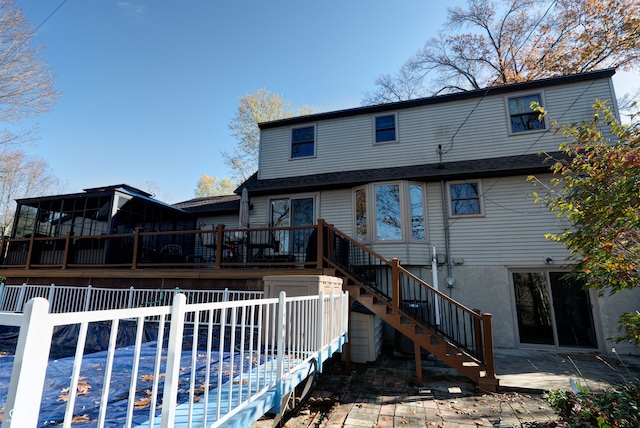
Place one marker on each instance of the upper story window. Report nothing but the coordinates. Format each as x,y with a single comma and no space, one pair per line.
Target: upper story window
385,128
465,198
521,117
303,142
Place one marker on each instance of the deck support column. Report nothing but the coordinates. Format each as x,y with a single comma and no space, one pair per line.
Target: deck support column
395,286
417,350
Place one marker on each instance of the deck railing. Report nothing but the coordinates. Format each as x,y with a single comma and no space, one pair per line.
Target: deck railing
211,248
78,299
237,370
406,293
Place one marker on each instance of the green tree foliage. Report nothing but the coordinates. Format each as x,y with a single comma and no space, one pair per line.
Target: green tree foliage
210,185
498,42
598,192
259,106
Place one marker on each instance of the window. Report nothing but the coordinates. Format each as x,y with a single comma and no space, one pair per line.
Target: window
361,214
385,128
417,212
398,212
298,211
388,218
521,116
465,198
303,142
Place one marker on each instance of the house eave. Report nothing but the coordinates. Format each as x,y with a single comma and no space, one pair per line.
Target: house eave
493,90
460,170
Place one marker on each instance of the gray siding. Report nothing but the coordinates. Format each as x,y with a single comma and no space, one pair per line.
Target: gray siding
512,231
466,129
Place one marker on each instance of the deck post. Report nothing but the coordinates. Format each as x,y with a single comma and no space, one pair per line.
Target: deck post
477,331
418,356
489,382
320,243
67,250
3,248
395,286
136,244
29,366
32,239
219,242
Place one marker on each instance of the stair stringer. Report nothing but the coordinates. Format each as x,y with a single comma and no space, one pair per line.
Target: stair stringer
422,335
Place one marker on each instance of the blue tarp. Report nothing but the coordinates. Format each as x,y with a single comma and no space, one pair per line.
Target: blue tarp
59,372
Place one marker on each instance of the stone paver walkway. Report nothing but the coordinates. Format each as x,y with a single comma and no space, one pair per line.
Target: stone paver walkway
384,394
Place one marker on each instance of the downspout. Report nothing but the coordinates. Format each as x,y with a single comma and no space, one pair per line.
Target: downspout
445,219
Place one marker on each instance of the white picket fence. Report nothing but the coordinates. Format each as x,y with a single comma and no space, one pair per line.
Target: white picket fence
227,374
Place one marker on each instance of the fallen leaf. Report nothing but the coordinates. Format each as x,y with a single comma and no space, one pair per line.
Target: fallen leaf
147,378
80,418
142,403
83,388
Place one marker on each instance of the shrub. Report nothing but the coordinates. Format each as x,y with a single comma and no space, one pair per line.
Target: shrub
617,407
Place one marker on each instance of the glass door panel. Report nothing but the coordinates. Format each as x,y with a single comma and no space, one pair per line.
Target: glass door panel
533,308
572,308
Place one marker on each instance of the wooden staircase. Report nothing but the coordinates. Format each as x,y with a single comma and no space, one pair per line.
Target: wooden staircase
458,336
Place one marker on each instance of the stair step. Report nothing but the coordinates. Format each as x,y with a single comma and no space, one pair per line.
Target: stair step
420,334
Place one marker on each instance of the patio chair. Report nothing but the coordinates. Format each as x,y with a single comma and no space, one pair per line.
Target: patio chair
171,253
264,242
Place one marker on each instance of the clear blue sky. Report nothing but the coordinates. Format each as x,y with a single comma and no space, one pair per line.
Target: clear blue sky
149,87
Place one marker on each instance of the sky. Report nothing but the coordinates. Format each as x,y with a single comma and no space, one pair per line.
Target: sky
148,87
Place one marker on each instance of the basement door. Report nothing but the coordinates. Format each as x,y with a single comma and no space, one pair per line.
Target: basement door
553,310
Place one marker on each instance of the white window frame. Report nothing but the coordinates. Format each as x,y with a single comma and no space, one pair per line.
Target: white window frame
315,141
405,212
508,113
396,128
478,182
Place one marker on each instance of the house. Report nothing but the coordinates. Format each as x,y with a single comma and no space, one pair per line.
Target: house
421,207
449,172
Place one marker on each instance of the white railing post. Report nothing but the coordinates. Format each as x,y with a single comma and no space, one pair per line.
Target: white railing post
174,350
87,298
345,318
130,302
23,290
332,315
3,292
52,291
281,339
29,366
320,330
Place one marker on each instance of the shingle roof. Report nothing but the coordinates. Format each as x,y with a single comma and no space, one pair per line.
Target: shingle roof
476,168
440,98
211,204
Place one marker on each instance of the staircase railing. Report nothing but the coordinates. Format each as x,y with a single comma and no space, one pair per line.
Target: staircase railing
466,329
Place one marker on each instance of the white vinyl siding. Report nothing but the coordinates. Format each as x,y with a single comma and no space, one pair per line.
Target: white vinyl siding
466,129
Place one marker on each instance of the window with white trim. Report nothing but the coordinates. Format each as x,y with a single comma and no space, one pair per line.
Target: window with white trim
521,117
395,212
385,128
465,198
303,142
